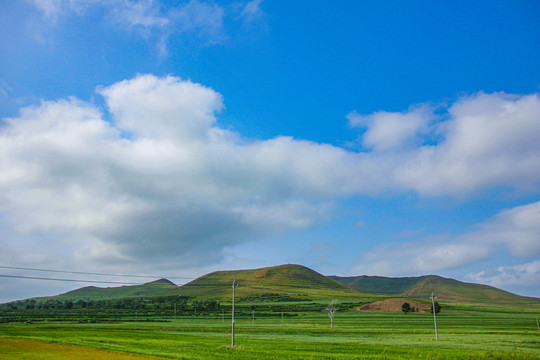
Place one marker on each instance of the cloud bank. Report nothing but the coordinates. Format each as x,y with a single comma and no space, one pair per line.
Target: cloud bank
154,176
515,231
511,277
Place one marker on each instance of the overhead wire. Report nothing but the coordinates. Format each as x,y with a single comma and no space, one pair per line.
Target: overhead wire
91,273
70,280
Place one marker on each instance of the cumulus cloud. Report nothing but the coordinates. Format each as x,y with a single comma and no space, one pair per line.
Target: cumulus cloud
488,140
161,179
517,229
478,142
393,131
419,257
163,109
511,277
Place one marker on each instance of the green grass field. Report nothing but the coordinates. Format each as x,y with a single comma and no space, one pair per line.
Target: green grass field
465,332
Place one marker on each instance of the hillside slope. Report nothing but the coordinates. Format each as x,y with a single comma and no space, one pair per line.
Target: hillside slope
279,283
446,290
97,293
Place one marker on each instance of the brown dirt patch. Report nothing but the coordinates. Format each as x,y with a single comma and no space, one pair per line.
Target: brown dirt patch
16,349
394,305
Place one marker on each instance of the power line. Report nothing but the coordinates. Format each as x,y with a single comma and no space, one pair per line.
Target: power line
71,280
90,273
100,282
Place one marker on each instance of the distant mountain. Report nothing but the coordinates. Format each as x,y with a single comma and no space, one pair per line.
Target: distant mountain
446,290
278,283
97,293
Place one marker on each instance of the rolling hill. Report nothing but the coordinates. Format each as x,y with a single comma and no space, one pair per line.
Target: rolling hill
446,290
299,283
278,283
97,293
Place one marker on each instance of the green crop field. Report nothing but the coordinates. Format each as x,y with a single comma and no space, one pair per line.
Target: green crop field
465,332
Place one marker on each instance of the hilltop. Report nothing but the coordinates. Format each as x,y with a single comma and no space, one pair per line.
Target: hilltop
446,290
278,283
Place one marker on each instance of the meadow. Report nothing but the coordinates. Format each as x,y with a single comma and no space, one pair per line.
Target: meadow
465,332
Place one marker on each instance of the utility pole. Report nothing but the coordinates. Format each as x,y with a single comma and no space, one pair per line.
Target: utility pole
174,309
234,286
433,297
538,326
253,316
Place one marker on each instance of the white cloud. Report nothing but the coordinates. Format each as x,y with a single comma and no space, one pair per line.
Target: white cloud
512,277
489,140
518,229
142,14
393,131
482,141
177,187
164,180
163,109
419,257
252,10
200,19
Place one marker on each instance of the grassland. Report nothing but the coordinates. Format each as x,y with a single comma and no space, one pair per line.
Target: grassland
465,332
446,289
279,315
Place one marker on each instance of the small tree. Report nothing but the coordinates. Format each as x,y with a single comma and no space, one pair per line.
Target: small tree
437,308
331,311
406,307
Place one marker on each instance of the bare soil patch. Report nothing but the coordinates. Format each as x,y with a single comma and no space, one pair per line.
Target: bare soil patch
394,305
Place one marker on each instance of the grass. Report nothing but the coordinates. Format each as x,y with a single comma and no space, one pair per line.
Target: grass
464,333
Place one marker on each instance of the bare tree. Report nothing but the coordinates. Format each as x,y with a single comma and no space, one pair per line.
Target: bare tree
331,311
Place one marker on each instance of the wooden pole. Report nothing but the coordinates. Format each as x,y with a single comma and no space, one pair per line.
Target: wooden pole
234,286
434,316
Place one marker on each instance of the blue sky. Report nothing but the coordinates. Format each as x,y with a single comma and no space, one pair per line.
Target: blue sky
180,137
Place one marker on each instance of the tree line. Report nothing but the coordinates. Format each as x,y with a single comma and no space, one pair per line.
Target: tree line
180,303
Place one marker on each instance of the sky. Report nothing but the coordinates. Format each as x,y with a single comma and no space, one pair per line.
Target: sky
175,138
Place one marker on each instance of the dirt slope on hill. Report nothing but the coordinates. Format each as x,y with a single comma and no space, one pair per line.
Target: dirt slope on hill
394,305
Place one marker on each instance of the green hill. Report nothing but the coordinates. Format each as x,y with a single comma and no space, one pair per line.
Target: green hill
278,283
97,293
299,283
446,290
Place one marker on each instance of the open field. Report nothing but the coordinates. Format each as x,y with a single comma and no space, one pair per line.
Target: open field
465,332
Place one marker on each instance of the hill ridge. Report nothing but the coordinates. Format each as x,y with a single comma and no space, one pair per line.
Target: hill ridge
446,289
293,282
286,282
